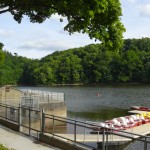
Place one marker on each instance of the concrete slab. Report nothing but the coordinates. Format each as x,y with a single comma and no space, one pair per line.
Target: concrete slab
17,141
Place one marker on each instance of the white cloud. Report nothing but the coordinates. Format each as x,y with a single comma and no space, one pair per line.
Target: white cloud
45,44
33,54
131,1
63,43
6,33
144,10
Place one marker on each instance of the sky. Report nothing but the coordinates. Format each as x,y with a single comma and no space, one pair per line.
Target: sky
35,40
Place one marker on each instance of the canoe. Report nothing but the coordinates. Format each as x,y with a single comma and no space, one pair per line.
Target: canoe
140,108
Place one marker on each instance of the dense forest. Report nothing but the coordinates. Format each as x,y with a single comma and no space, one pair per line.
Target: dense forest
90,64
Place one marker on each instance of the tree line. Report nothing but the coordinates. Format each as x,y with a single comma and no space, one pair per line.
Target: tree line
85,65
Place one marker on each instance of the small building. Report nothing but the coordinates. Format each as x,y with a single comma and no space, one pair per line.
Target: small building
30,103
10,95
52,102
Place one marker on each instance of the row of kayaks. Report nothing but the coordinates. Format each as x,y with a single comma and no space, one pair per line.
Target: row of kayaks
126,122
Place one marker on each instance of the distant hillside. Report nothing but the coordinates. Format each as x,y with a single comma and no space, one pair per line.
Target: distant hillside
89,64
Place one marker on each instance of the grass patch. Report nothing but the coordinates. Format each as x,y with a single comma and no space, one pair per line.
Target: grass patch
3,148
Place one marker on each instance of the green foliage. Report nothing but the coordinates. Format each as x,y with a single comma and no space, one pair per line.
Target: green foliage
2,56
137,44
3,148
90,64
12,68
100,19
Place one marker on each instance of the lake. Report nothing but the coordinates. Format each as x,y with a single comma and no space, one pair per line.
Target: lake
103,102
100,103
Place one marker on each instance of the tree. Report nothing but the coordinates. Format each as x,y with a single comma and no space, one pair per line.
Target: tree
70,69
100,19
2,56
43,75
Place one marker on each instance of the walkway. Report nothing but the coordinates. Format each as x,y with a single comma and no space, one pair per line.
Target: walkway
17,141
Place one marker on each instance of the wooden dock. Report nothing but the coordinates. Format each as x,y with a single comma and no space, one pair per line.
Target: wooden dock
141,130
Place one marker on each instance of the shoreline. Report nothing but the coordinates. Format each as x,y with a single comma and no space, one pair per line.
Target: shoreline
86,84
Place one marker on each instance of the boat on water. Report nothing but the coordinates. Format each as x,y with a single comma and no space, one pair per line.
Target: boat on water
141,108
122,123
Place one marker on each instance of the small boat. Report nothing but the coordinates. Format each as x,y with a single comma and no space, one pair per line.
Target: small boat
141,108
121,123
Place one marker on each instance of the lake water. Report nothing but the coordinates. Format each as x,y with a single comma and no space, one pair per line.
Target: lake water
101,102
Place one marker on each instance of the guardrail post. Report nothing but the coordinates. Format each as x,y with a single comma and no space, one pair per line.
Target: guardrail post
103,144
29,121
53,125
48,98
106,139
145,144
19,117
75,131
42,121
6,112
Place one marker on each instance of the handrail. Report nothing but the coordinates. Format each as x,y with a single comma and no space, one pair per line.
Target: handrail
6,105
76,123
93,125
105,131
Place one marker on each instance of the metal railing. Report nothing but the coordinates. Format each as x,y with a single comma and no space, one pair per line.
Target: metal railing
30,121
32,98
27,118
9,113
43,96
88,135
104,137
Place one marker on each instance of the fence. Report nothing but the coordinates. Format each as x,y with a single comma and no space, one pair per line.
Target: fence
9,113
84,134
27,118
32,98
34,121
30,121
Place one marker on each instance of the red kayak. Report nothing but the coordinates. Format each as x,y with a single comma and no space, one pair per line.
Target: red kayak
140,108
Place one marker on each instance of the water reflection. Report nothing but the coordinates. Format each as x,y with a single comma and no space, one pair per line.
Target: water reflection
100,103
103,101
100,115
